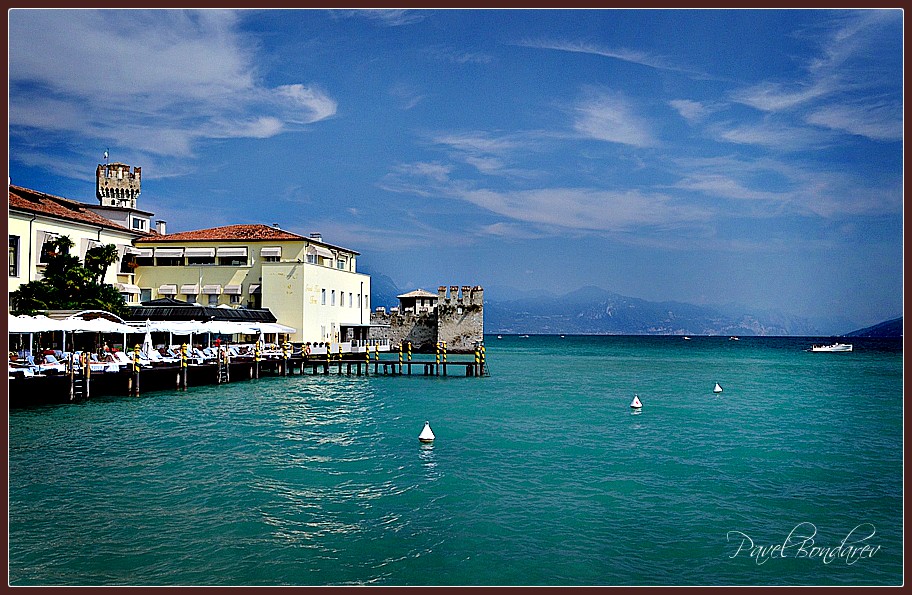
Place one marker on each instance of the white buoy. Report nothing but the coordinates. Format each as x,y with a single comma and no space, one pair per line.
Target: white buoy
717,389
426,434
635,404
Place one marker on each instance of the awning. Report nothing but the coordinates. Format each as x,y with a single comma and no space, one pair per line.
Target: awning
190,289
231,251
143,252
253,288
212,289
199,252
320,251
133,250
169,252
276,251
167,289
127,288
233,290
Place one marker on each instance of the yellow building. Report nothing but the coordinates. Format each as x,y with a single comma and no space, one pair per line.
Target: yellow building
36,219
306,283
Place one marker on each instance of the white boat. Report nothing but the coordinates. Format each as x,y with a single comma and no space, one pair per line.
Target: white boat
834,347
500,336
687,338
717,389
635,404
734,339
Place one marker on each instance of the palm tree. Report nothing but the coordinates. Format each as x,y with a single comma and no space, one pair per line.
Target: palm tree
99,258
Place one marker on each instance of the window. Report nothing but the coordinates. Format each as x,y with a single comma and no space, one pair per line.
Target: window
272,258
145,294
137,223
233,261
213,299
312,259
350,300
170,261
128,263
47,249
191,298
143,261
340,264
359,300
234,298
332,300
14,256
323,297
200,260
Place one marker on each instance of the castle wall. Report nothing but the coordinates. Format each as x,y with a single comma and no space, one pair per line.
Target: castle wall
460,317
458,320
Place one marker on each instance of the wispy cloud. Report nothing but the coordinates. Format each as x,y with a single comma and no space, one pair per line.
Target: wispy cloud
155,81
610,117
623,54
383,17
877,122
844,75
692,111
490,153
779,136
457,56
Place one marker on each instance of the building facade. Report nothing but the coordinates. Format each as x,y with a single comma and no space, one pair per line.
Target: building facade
36,219
306,283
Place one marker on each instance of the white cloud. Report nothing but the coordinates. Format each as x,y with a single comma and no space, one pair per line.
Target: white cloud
624,54
587,209
610,117
158,81
314,102
386,18
773,135
692,111
878,122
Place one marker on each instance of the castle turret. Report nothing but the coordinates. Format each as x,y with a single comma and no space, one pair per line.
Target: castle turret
117,186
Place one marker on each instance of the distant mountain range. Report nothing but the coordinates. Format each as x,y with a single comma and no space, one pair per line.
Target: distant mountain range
592,310
888,329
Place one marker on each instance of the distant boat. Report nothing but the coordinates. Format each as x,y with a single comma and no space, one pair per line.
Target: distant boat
562,336
500,336
635,404
525,336
717,389
834,347
734,339
687,338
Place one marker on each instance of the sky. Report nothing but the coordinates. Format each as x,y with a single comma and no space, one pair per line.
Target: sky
702,156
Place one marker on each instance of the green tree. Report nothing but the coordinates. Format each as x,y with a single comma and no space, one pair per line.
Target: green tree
70,285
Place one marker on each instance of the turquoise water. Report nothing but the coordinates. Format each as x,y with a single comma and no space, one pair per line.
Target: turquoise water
540,474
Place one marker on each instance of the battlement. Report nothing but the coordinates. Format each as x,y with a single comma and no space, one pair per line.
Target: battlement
460,296
117,186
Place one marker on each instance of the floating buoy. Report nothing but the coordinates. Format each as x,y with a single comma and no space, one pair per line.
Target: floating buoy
426,435
717,389
635,404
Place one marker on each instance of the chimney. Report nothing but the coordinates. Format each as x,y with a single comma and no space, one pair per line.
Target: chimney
160,227
316,236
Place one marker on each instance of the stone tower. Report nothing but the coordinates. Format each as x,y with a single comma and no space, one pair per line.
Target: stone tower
116,186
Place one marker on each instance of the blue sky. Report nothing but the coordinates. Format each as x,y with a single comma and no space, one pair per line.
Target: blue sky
705,156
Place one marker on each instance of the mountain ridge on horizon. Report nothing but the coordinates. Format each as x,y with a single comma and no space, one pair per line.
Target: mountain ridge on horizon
594,310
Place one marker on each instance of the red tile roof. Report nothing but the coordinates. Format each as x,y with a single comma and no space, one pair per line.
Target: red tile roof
56,206
255,232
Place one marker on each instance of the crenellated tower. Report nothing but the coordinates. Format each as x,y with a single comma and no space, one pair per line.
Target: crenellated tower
116,185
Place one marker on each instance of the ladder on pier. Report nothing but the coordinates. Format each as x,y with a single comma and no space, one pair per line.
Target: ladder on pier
78,392
222,372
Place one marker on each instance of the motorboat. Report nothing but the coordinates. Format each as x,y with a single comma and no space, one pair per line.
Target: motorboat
835,347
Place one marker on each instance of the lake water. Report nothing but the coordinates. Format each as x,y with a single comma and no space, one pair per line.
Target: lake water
540,474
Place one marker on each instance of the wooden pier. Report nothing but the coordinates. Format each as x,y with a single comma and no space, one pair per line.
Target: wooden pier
80,383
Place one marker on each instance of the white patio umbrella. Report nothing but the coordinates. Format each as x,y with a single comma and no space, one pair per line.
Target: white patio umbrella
147,344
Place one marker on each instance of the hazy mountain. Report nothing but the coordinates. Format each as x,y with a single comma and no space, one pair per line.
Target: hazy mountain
592,310
890,328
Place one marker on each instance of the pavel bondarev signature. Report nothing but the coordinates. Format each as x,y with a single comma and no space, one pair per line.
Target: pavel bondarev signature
800,543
